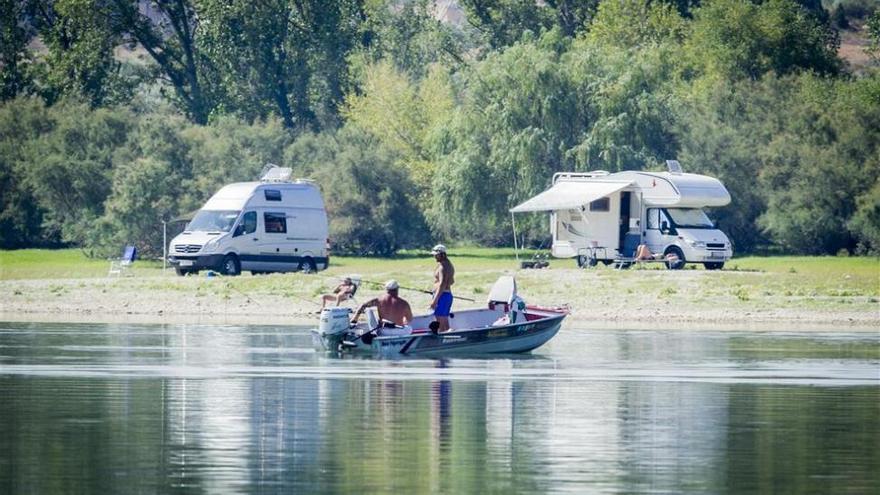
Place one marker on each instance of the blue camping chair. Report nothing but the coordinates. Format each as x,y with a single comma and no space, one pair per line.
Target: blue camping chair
120,266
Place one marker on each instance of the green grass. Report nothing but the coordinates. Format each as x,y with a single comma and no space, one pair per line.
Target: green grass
789,276
61,263
749,285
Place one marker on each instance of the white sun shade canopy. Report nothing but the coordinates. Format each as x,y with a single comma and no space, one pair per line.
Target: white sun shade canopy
568,195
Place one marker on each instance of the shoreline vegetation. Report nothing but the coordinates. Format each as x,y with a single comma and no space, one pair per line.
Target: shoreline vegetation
765,293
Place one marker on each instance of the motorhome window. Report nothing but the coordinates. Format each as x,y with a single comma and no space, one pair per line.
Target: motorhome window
273,195
213,221
276,223
692,218
249,221
654,219
602,204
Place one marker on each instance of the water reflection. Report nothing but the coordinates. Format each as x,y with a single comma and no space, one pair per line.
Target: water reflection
93,408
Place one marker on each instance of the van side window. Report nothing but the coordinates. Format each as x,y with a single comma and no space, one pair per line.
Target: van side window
272,194
276,223
654,218
601,204
248,224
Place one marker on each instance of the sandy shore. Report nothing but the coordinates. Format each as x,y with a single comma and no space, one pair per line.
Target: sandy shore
661,299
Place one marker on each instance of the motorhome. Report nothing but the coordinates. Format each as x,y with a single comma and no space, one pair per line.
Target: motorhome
278,224
600,216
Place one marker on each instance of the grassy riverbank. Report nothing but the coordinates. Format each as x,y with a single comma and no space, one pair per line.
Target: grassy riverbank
61,284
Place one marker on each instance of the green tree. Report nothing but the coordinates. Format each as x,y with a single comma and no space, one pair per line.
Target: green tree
80,44
635,24
734,39
367,197
503,22
404,117
229,150
22,122
171,37
519,115
70,166
281,57
15,58
411,38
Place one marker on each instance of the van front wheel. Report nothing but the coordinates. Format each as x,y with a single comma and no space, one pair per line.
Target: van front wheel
308,266
230,265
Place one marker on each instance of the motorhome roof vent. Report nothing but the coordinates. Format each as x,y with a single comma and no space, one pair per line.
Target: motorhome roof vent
674,167
598,173
274,173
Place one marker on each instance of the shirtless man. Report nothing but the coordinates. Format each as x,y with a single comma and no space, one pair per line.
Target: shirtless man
444,277
391,306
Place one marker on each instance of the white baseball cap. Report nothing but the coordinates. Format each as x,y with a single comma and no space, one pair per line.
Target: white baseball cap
391,285
439,248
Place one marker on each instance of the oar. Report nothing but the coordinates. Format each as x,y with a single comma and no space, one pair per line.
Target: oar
416,290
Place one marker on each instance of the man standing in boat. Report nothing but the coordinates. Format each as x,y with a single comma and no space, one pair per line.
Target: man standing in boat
444,277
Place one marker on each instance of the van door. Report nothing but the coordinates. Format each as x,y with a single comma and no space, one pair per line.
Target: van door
655,237
245,239
272,247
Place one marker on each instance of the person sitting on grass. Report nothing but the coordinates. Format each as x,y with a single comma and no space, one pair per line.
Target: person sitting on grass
342,292
643,253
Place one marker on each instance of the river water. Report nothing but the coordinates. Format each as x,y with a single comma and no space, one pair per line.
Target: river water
98,408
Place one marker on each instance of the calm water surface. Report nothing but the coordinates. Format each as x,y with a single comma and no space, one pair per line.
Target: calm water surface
88,408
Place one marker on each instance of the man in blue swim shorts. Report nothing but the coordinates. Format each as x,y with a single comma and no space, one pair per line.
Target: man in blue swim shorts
444,277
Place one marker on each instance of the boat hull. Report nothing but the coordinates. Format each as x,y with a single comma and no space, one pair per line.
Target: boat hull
510,338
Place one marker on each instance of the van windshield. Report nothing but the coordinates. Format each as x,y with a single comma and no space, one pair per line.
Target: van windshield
692,218
213,221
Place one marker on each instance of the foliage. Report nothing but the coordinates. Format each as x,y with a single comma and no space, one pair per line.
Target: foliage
411,39
22,121
367,198
14,55
80,43
635,23
732,40
70,168
280,57
404,117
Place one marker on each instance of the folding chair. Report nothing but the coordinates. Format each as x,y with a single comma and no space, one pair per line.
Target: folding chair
120,266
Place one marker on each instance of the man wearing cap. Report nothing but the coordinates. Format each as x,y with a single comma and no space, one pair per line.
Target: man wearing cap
390,305
444,277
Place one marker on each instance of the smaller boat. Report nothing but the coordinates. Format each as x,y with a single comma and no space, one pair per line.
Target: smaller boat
506,325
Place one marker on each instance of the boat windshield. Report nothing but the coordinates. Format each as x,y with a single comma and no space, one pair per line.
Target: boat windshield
690,218
213,221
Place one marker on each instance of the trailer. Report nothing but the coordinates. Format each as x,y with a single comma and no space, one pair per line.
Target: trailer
603,217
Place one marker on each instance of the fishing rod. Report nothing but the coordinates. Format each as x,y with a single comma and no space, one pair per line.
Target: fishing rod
416,290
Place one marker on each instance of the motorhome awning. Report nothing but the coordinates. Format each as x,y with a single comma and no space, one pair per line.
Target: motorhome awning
569,195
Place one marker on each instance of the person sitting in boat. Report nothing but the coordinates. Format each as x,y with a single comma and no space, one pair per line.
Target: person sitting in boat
391,306
342,292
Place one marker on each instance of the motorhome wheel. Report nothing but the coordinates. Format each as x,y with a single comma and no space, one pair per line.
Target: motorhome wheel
181,271
676,263
714,265
230,265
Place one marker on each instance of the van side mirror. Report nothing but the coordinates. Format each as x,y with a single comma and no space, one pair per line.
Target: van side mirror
664,226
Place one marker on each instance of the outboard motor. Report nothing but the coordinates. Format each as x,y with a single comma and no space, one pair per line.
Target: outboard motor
334,322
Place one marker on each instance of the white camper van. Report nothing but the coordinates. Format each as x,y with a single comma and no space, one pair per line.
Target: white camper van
275,225
597,216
